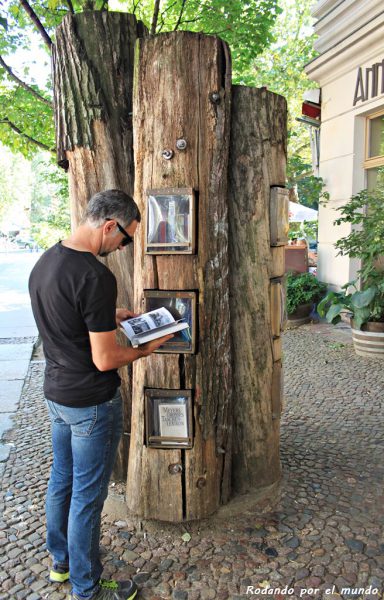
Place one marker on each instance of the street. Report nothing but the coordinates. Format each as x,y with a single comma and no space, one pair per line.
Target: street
16,319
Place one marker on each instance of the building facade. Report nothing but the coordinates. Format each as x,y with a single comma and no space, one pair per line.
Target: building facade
350,73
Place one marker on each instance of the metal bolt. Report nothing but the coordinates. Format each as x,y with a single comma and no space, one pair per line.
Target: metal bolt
181,144
215,97
175,468
167,154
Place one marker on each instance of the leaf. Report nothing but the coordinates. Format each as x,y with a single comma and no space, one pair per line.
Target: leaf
322,306
361,316
4,23
333,312
364,298
186,537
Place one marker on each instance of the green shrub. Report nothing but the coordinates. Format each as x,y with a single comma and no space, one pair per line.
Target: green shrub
303,288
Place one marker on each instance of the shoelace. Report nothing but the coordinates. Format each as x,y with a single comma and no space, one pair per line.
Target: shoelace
109,584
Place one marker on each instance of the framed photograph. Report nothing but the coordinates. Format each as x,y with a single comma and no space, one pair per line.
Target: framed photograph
170,221
168,418
181,305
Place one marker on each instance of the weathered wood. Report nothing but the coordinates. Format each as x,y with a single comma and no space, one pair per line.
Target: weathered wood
276,307
277,349
257,162
93,108
277,262
176,75
278,216
277,389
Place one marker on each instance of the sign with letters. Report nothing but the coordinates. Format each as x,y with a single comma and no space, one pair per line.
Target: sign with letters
369,82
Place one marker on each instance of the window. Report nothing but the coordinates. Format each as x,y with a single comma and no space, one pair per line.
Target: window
374,150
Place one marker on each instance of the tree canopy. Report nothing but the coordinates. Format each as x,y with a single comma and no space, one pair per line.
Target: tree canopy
280,67
26,117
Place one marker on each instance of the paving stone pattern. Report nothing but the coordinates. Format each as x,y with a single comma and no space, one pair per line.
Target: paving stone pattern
324,531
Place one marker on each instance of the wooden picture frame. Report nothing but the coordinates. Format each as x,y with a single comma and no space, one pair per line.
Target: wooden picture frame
170,221
182,305
168,418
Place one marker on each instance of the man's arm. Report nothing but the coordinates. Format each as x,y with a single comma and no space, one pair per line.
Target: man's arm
107,354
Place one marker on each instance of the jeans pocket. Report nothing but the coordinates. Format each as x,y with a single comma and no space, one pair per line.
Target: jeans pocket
53,411
83,421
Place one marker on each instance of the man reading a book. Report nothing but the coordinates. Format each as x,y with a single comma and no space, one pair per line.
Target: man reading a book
74,303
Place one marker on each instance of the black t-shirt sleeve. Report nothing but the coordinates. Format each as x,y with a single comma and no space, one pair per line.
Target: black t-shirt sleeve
98,303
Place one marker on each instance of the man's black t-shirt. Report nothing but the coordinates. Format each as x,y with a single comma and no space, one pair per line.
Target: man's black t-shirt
72,293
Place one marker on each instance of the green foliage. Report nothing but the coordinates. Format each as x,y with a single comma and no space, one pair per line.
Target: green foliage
310,189
363,305
303,288
14,190
281,69
246,26
365,213
303,230
50,214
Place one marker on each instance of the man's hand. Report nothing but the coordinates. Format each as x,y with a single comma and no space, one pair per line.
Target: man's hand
122,314
150,347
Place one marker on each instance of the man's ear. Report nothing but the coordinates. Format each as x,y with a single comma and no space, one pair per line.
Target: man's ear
109,226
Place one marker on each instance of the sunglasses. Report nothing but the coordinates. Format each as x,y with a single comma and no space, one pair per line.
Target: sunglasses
128,239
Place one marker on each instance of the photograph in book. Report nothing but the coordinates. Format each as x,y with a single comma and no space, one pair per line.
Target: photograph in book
151,325
139,325
182,306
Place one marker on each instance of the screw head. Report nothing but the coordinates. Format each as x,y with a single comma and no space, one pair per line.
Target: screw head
167,154
175,468
181,144
215,97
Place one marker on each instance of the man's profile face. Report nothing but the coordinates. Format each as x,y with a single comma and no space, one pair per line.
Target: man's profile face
114,240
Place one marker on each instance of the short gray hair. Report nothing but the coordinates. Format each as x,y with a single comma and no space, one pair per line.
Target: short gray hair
111,204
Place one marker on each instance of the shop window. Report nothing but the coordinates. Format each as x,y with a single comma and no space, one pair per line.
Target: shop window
374,150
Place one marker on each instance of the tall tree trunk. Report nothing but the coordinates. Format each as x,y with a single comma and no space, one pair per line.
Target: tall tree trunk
93,78
257,162
182,91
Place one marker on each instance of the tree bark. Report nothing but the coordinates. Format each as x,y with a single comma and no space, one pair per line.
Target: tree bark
257,162
93,62
182,90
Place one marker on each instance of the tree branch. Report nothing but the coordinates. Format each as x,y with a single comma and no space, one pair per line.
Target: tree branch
24,135
35,19
180,15
70,6
155,16
24,85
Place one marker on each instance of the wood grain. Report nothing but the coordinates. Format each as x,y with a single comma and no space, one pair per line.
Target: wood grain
94,139
175,75
257,162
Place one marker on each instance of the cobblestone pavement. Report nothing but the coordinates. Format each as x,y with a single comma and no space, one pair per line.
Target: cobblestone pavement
324,531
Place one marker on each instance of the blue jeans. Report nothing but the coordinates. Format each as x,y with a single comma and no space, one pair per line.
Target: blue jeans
85,442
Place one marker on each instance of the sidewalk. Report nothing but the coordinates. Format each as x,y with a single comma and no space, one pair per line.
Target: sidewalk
324,531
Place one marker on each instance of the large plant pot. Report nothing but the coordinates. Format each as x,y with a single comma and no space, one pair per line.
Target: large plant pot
300,316
369,340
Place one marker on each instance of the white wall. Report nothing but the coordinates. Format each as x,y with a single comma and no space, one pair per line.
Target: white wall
342,140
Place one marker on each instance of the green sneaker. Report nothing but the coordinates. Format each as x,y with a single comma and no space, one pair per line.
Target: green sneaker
113,590
58,574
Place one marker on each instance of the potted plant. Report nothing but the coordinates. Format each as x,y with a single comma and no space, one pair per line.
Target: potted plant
363,299
303,290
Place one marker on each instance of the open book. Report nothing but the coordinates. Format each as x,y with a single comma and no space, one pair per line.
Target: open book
151,325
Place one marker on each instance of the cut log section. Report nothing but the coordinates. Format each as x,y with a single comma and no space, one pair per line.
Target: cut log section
181,123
